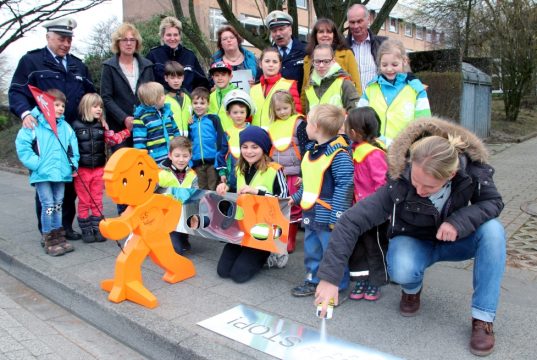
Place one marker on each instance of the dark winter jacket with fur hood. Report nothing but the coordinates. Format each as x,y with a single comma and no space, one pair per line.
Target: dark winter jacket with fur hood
474,198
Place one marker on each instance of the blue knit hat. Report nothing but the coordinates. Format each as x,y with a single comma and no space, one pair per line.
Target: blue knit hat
258,136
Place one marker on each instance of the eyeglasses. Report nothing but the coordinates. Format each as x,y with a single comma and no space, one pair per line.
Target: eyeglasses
128,40
318,62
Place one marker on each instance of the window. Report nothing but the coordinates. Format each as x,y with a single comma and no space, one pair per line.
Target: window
429,35
394,25
253,25
303,4
216,20
408,29
419,32
303,32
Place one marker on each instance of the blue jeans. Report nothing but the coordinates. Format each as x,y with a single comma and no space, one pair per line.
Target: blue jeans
315,245
409,257
51,198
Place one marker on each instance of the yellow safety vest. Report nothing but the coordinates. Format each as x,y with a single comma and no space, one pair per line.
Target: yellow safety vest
167,179
313,176
233,141
181,114
282,133
362,150
396,117
262,103
261,180
220,110
332,95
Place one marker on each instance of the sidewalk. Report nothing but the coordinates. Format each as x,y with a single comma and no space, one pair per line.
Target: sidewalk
441,331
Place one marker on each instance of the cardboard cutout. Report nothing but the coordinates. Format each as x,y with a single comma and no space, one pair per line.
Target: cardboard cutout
130,177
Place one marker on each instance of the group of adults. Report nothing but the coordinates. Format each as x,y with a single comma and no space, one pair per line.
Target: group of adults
54,67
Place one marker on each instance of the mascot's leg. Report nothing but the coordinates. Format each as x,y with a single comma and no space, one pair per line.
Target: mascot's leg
177,267
127,283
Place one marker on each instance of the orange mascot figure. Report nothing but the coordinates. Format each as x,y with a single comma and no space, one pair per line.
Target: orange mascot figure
130,177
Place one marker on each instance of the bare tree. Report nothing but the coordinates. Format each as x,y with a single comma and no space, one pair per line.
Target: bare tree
20,16
513,42
333,9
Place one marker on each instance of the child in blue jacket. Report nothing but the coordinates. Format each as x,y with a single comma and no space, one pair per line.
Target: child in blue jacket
206,134
51,160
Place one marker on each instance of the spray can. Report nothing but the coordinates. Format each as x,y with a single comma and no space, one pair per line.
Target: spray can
329,309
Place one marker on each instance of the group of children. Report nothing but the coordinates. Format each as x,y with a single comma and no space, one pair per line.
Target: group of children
261,144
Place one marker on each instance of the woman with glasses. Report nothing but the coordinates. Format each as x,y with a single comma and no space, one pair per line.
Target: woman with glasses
325,32
231,51
170,32
122,74
329,83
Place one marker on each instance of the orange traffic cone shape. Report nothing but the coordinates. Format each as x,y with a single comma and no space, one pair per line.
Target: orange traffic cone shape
130,178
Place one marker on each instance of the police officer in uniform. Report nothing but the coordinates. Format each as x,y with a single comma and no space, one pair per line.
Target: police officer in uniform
52,67
291,49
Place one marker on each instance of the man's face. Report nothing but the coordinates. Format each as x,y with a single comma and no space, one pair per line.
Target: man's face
358,23
59,44
281,35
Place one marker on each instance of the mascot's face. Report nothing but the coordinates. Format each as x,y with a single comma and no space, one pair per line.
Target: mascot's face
132,185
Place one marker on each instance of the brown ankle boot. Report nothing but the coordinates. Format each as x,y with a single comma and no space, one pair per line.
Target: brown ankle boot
52,246
410,304
482,339
62,241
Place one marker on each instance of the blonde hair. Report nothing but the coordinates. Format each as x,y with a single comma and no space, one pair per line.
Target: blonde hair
86,103
281,96
394,47
120,33
328,118
438,156
150,93
169,21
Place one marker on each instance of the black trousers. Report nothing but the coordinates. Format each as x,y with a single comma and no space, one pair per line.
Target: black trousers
370,255
68,207
240,263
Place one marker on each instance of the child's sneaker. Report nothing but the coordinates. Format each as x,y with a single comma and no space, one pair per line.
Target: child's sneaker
372,293
306,289
359,290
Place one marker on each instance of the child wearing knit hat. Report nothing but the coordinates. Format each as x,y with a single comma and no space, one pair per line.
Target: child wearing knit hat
255,174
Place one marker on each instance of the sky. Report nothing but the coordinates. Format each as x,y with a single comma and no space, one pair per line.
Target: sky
85,22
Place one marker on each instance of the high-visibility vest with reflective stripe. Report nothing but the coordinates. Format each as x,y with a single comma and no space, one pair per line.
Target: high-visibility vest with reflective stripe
167,179
220,110
261,180
332,95
181,114
262,103
233,142
313,175
396,117
282,132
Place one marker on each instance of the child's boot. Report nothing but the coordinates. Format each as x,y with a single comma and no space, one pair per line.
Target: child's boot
87,230
291,241
51,245
95,220
62,241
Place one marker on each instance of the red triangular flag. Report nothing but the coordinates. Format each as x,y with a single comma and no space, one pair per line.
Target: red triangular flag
46,105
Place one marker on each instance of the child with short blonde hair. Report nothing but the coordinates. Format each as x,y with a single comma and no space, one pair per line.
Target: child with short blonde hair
394,91
153,125
326,191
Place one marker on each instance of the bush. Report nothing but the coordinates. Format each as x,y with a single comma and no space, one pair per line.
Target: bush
444,91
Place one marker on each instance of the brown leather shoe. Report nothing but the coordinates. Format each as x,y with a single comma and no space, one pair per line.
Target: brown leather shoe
482,340
410,304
